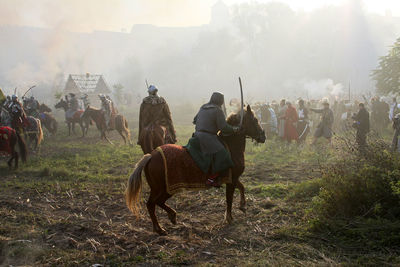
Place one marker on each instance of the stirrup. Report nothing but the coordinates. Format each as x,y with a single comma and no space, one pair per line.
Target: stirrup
211,182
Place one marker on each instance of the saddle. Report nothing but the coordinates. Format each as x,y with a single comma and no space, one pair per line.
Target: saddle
42,116
182,172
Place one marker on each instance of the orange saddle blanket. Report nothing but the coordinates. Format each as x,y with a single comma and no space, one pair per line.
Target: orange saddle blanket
181,172
77,115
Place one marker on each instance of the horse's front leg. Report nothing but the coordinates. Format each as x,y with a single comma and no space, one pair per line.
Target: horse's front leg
82,128
16,158
123,136
69,128
73,128
87,123
230,189
9,162
242,206
105,137
36,142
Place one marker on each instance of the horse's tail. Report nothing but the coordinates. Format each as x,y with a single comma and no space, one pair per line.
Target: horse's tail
126,124
128,132
23,150
132,193
40,132
122,124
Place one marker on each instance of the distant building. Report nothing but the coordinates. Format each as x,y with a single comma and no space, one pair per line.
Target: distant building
220,16
90,84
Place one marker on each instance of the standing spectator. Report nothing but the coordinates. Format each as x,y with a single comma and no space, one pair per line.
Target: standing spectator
302,125
291,119
393,109
281,119
362,126
396,127
324,128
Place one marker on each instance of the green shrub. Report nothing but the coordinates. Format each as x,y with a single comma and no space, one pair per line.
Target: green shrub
305,190
363,184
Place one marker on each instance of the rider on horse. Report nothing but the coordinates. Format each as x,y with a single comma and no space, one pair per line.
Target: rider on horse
73,106
205,147
31,105
7,103
113,108
18,116
86,101
154,110
106,108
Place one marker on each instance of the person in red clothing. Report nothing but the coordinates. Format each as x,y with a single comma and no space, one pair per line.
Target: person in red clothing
291,119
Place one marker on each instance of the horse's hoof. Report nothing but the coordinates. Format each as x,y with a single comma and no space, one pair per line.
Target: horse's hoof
243,209
161,232
229,219
172,218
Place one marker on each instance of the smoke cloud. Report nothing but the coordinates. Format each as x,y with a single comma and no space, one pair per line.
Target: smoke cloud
278,52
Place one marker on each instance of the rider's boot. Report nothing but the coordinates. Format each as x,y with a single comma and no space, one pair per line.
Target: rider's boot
213,180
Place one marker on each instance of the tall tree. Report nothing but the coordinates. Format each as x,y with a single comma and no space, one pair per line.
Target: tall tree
387,75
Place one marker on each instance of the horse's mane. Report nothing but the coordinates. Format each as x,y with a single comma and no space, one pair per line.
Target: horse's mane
234,118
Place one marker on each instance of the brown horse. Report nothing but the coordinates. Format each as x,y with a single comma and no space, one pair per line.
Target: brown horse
9,138
76,118
152,137
33,133
47,120
121,124
154,169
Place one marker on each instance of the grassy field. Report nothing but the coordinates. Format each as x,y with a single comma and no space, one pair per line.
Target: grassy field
66,207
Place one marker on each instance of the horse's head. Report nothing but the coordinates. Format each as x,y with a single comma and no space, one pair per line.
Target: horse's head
62,104
251,126
44,108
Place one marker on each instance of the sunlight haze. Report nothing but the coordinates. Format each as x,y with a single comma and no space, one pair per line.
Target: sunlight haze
121,15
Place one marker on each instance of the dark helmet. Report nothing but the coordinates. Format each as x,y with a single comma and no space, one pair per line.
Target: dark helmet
72,94
217,99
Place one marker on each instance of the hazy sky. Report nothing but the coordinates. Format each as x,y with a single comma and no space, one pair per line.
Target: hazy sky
114,15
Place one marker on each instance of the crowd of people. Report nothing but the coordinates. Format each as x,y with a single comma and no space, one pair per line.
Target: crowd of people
294,121
286,121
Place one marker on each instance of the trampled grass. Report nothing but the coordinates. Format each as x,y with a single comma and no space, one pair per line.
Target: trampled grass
66,207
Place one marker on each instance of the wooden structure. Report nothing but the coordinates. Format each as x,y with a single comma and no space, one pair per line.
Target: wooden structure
90,84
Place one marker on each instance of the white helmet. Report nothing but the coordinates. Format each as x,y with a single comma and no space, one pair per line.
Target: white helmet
152,89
